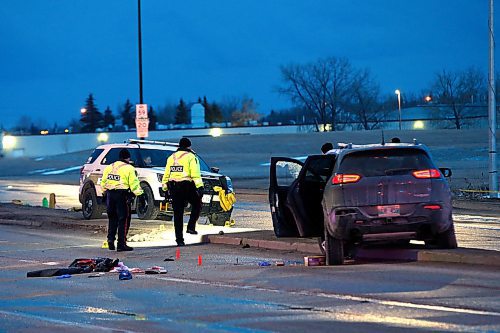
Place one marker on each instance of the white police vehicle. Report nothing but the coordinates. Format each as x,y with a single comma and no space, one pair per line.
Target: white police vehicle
149,159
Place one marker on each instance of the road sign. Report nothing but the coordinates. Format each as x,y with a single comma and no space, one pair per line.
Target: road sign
142,127
141,111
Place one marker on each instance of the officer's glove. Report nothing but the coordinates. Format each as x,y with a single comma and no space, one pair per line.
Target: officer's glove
164,187
199,190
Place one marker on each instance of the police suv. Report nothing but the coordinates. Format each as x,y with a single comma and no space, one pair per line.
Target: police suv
149,159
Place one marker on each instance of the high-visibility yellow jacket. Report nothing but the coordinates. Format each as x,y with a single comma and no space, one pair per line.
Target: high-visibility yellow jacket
121,176
182,165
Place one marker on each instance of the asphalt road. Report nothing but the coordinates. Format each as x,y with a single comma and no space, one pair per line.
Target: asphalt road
231,292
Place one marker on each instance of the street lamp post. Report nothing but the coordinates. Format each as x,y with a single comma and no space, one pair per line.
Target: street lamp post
397,92
492,114
140,49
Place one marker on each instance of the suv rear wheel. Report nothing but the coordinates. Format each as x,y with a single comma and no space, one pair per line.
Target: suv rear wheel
334,250
90,208
145,204
447,239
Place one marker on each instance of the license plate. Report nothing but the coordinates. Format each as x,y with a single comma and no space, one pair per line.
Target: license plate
389,211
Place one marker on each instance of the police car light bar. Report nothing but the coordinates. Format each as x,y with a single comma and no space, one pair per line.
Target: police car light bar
163,143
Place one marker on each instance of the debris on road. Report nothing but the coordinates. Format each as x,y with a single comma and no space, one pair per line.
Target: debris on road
64,276
96,275
314,261
156,270
125,275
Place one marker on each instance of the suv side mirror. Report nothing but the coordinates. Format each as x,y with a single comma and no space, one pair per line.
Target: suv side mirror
214,169
446,172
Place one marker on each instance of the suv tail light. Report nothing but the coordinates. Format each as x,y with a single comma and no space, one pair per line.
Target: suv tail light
426,174
345,178
432,207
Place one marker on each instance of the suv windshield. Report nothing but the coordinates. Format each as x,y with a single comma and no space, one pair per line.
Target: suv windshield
158,158
385,162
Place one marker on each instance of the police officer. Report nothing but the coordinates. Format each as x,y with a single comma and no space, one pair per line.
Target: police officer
326,147
183,180
120,183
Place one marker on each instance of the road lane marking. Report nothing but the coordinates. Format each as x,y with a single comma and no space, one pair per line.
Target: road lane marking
343,297
60,321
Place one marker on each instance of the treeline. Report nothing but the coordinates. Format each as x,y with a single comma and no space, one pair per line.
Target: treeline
339,95
331,92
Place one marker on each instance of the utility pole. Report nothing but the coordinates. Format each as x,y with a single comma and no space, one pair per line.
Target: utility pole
492,114
140,50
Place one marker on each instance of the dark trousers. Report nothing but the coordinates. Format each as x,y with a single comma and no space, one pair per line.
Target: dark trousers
119,215
182,193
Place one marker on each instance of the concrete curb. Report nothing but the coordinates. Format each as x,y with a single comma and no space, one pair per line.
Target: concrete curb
55,224
462,256
22,223
458,256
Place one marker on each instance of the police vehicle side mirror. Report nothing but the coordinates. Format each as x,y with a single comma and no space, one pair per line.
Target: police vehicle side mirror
446,172
214,169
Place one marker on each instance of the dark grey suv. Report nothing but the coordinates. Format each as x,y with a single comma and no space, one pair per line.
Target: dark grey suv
361,194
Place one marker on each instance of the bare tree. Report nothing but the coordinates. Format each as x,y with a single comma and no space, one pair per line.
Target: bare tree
457,91
364,105
246,114
321,87
228,105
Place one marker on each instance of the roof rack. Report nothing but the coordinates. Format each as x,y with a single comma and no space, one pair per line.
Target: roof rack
163,143
342,145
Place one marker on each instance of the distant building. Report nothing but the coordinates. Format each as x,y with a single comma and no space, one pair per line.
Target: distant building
197,113
440,116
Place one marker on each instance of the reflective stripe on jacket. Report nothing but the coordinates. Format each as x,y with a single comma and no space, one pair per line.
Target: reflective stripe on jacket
120,176
183,165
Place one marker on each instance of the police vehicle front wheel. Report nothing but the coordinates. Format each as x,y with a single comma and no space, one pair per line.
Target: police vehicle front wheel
145,204
220,219
90,208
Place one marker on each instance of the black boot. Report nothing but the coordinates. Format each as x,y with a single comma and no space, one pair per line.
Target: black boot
124,248
111,245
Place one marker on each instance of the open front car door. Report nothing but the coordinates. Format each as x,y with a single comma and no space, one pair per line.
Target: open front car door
283,173
295,195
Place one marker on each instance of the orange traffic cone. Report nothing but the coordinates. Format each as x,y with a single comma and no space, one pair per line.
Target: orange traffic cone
178,254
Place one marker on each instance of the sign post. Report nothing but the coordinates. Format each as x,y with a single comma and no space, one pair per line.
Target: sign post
141,120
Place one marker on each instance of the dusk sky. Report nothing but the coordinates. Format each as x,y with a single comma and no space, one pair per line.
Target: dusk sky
56,52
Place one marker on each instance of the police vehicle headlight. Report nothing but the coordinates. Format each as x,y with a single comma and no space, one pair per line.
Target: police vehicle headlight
160,176
229,184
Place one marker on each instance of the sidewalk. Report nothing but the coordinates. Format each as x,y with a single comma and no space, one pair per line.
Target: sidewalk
264,239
